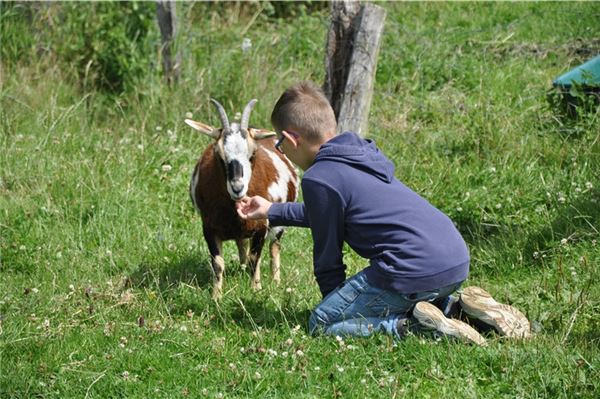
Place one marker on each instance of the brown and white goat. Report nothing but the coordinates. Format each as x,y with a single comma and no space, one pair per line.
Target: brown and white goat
242,161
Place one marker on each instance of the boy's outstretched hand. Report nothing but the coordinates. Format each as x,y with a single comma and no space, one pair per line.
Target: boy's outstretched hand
253,207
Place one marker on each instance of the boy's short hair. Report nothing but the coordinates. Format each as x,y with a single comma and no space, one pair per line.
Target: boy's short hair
303,107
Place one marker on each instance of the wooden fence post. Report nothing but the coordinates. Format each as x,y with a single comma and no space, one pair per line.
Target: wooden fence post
167,22
351,61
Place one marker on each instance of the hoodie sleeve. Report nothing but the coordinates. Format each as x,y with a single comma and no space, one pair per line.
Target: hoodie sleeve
325,212
287,214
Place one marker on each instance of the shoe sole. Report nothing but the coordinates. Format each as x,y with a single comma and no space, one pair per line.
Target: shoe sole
505,319
429,316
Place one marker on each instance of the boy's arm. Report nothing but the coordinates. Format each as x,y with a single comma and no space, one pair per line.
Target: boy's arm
279,214
288,214
325,211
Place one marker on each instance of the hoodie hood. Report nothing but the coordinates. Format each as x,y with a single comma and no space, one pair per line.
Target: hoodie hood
361,154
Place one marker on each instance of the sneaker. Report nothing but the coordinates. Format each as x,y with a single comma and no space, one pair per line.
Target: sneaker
432,318
505,319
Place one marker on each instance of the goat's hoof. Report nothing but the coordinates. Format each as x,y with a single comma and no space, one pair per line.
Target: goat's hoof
257,286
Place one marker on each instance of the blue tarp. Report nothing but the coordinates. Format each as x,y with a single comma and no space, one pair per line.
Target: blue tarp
587,74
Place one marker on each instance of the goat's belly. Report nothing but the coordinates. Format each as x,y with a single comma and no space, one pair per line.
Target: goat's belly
226,224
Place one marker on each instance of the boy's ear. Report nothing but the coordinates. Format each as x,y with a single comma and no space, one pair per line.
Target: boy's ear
259,134
204,128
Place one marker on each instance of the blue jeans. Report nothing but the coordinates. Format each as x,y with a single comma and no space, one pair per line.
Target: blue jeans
356,308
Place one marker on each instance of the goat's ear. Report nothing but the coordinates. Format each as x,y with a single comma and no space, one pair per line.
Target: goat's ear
259,134
204,128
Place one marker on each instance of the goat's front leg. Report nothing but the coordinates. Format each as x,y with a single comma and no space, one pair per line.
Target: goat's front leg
256,245
242,246
215,247
275,251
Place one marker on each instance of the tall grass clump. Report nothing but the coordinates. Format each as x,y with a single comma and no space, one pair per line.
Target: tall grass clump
106,46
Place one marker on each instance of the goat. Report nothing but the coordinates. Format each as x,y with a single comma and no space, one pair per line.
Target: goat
242,161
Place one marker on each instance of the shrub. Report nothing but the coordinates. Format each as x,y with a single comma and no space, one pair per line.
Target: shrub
110,44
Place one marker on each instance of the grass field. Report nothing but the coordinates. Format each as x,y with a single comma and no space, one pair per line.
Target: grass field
105,278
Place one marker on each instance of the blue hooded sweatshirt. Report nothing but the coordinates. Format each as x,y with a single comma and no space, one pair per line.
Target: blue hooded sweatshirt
351,194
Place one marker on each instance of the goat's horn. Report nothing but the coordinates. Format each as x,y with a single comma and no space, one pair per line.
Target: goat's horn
246,114
222,114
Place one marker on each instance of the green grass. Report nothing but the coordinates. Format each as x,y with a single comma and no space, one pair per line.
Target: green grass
105,279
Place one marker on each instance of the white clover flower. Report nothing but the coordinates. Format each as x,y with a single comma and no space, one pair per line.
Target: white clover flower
363,381
183,328
35,290
125,375
340,369
158,128
166,168
536,255
561,198
498,206
246,44
271,352
317,368
564,241
289,342
299,353
71,287
257,375
189,115
589,185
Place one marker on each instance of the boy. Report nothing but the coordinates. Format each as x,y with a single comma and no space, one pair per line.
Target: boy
416,256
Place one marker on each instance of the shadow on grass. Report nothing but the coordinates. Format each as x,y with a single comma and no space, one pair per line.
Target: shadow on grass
255,312
192,269
247,310
189,269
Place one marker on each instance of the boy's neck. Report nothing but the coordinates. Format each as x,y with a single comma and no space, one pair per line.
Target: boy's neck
309,151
